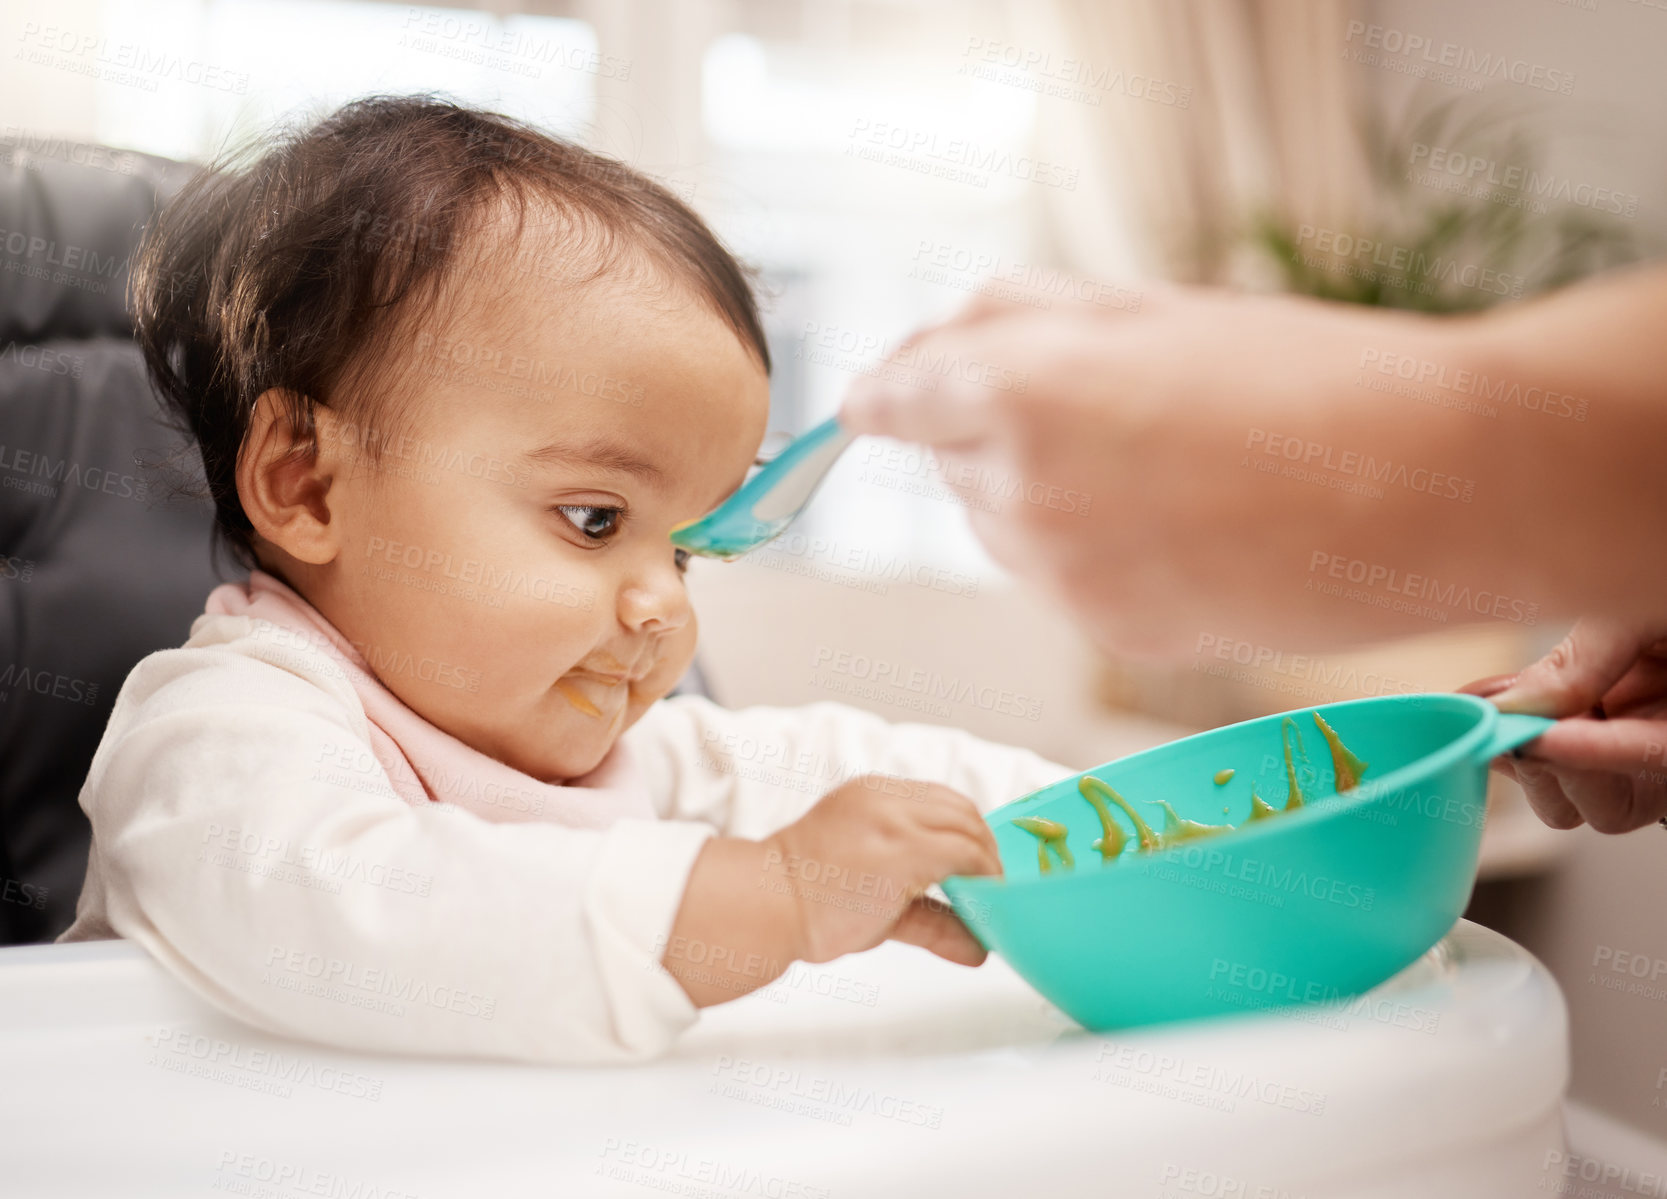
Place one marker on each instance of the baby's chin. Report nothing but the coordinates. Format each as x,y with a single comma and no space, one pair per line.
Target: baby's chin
581,746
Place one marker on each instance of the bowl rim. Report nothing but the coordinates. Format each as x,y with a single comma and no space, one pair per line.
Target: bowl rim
1367,793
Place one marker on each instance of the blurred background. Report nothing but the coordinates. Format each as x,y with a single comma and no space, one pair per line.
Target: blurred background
879,161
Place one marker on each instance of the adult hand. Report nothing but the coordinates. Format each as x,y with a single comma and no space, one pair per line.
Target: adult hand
1605,762
1224,466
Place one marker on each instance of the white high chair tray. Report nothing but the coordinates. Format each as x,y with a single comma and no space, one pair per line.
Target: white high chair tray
887,1073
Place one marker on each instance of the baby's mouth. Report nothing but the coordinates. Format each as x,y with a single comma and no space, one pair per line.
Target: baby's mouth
612,678
604,685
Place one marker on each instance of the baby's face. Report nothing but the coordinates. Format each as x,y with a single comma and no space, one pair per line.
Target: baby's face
506,570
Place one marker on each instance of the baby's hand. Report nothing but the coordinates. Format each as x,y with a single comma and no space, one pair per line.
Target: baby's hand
858,864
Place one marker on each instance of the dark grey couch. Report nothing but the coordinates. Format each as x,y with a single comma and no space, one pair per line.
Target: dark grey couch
102,560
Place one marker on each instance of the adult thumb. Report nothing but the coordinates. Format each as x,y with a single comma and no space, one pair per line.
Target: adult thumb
1571,679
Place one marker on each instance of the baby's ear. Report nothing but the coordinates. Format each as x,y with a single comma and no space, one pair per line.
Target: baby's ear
290,460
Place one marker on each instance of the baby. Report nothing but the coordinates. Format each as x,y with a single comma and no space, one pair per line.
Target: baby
416,786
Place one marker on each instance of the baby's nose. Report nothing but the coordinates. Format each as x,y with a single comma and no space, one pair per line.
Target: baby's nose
652,606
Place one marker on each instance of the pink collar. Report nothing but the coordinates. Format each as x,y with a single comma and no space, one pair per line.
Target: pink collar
424,762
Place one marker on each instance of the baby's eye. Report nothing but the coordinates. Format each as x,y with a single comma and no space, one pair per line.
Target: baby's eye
681,558
596,523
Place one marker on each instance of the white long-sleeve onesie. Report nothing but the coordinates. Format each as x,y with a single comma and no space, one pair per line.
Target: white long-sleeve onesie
309,899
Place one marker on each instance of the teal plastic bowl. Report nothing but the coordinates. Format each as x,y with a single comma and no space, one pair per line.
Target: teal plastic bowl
1311,906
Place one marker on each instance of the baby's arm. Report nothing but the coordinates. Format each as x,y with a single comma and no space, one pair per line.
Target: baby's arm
245,836
838,863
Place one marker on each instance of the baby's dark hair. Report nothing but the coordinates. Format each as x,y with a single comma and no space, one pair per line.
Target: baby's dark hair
296,267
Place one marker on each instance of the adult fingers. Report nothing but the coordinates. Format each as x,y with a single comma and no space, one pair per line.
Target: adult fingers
1492,685
1545,794
1612,802
1583,743
1642,691
1572,678
956,408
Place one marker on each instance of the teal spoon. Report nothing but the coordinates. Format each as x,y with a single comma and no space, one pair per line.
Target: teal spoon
766,503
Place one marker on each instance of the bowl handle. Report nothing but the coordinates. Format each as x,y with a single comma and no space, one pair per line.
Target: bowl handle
1511,730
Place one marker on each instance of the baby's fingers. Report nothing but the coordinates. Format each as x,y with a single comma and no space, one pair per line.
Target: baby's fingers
956,852
932,926
950,811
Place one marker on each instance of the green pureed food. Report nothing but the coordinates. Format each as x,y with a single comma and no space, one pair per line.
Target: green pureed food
1050,835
